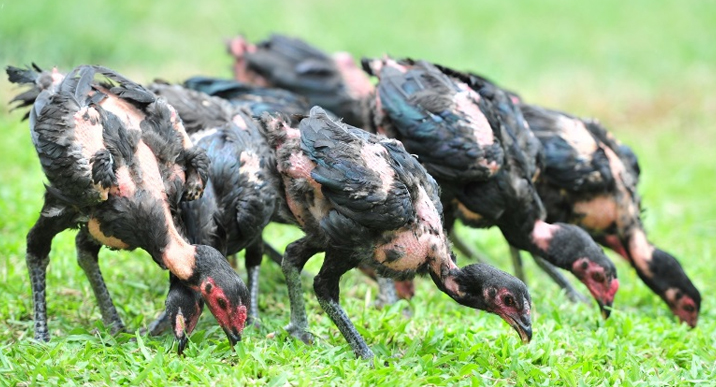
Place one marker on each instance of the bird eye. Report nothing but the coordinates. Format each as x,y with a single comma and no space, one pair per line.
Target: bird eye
597,277
509,301
689,308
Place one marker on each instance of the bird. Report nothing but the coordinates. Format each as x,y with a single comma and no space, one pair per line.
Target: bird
506,104
590,179
255,98
118,161
240,195
361,198
469,146
333,82
293,64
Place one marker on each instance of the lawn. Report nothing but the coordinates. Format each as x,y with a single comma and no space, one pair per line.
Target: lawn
646,69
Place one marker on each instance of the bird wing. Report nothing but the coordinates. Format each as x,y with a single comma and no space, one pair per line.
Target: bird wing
257,99
356,174
445,125
574,159
197,110
295,65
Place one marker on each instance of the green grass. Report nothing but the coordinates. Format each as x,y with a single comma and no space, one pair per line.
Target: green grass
645,69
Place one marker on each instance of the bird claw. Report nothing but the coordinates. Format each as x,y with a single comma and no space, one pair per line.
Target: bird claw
577,297
159,326
254,322
194,189
300,334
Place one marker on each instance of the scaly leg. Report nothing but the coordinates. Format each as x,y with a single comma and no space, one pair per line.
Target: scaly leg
573,294
272,253
387,295
87,257
53,220
466,250
517,264
254,254
326,286
296,256
160,325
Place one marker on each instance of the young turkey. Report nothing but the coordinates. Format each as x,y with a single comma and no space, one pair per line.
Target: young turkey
256,99
470,147
333,82
364,200
240,196
590,180
118,161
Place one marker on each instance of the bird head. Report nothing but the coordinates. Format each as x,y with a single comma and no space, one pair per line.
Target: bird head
669,280
223,291
484,287
571,248
184,307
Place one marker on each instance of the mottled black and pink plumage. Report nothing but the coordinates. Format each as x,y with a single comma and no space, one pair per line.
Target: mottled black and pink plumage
257,99
590,179
240,196
469,144
118,162
334,82
364,200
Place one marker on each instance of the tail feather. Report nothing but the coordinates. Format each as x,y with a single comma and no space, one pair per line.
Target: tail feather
126,88
27,76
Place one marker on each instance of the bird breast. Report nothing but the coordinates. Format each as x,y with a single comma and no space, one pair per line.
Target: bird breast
410,247
466,102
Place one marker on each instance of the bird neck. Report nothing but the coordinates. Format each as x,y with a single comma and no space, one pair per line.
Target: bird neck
179,256
546,241
446,276
640,251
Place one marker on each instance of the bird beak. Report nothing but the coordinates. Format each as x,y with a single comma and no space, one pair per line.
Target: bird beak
234,337
606,308
522,325
182,345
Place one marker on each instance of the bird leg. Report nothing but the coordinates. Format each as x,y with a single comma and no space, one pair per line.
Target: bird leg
160,325
387,295
517,264
253,255
87,258
466,250
272,253
52,221
296,255
326,286
573,294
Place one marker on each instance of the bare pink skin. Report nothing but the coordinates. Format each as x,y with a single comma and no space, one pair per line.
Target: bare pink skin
684,308
228,316
542,234
615,244
178,256
415,244
238,47
183,325
508,312
251,165
356,80
594,277
415,241
466,102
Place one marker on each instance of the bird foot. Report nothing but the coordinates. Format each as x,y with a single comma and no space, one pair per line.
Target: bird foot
159,326
300,334
193,188
577,297
254,322
116,328
43,337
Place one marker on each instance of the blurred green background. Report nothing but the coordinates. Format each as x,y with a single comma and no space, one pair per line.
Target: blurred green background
646,69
